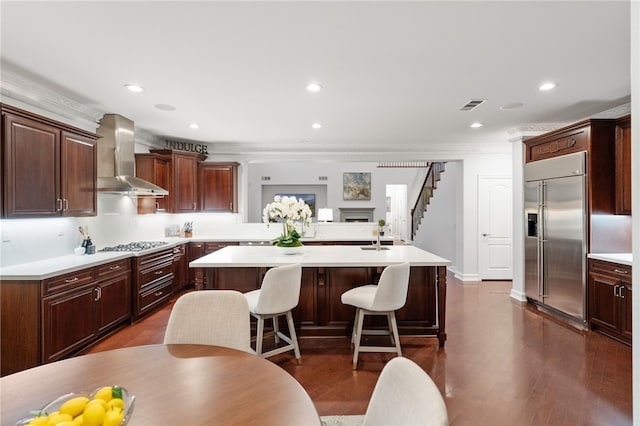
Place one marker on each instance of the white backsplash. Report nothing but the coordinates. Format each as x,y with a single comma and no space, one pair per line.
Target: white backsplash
31,240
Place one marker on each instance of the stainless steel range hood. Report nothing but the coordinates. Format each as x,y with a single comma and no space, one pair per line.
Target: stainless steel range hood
116,160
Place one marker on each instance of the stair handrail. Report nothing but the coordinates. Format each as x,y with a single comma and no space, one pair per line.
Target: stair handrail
431,175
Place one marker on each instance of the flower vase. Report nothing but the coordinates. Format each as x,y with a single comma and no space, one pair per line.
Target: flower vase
289,250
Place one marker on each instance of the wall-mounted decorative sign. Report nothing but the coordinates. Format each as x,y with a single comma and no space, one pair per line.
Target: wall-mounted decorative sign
309,199
187,146
356,186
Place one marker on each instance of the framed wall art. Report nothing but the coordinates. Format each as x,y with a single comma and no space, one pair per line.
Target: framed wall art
356,186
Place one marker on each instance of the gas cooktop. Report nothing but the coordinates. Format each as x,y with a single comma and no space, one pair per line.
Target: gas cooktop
135,246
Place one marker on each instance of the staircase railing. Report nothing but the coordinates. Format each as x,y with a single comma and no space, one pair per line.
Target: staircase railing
426,192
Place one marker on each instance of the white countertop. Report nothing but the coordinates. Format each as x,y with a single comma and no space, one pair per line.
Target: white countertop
318,256
621,258
43,269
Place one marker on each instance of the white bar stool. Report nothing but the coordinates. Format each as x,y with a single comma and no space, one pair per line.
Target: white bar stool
278,295
383,299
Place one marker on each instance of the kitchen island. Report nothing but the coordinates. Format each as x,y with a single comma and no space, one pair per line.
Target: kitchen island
329,271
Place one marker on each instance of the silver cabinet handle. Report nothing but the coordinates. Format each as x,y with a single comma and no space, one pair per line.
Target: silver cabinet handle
194,205
621,271
98,291
620,293
113,268
158,293
74,279
66,204
616,289
158,272
59,203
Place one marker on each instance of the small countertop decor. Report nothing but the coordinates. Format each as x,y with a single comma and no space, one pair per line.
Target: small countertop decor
289,210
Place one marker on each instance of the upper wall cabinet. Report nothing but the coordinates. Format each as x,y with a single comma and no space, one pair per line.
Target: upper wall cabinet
175,171
623,165
49,168
218,187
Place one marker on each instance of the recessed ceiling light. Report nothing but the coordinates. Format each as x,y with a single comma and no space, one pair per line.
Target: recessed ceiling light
513,105
316,125
194,125
165,107
134,88
547,86
475,125
314,87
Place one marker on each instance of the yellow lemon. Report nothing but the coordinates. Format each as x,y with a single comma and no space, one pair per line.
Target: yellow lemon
113,418
74,406
93,415
115,403
104,393
98,401
38,421
78,420
54,419
66,423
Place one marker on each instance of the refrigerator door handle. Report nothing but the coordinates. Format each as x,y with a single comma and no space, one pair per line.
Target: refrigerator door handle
541,235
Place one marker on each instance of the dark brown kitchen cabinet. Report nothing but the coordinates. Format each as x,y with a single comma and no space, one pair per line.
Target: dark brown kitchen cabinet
610,295
623,165
218,187
175,171
155,170
180,268
44,321
49,168
199,249
154,281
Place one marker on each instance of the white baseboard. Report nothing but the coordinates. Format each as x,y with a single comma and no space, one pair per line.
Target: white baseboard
466,277
518,295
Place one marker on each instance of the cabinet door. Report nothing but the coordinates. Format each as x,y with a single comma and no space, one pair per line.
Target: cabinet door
31,152
79,173
603,303
218,187
623,166
68,322
114,304
626,310
185,187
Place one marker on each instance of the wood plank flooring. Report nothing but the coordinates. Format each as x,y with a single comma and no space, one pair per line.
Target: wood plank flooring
502,364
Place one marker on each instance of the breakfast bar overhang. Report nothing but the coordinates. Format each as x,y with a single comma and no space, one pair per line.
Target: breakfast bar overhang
329,271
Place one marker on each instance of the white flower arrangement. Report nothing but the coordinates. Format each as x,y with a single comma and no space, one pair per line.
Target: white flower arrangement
289,210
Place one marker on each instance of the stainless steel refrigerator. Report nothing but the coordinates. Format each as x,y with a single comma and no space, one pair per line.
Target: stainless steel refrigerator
555,234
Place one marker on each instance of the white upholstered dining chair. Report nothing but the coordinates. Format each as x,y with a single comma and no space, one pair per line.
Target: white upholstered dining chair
210,317
278,295
383,299
404,395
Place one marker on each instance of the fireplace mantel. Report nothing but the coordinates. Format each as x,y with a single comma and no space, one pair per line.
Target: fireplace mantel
356,214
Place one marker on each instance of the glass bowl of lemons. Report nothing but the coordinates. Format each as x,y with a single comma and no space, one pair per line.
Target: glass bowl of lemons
105,406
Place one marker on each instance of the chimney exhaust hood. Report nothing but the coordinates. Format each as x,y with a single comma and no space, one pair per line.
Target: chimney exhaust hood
116,160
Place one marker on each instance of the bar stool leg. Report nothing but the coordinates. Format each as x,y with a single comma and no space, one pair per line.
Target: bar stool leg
394,326
260,333
360,319
275,329
294,338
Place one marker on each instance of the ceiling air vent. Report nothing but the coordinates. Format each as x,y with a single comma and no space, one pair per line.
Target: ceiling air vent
472,104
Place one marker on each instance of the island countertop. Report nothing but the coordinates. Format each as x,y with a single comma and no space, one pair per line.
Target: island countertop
319,256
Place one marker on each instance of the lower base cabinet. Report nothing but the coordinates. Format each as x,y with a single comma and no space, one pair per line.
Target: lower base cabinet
44,321
610,299
154,281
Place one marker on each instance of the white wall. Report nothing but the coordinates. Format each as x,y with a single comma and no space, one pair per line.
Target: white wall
437,232
309,173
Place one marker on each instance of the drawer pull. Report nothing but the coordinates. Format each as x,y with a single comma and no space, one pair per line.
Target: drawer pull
158,293
620,271
113,268
158,272
74,279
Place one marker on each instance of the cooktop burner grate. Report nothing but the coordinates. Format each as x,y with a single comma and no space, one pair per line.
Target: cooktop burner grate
135,246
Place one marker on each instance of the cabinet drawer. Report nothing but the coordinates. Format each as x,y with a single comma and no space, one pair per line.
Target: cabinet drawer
211,246
67,281
155,294
150,275
113,268
150,260
612,269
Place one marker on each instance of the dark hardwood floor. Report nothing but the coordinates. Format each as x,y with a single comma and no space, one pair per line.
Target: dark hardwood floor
503,364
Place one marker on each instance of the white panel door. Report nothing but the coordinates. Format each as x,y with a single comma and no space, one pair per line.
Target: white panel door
495,260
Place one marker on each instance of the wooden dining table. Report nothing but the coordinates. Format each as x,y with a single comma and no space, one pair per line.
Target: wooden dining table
172,384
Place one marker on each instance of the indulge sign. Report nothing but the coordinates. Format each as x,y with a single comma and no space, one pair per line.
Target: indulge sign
187,146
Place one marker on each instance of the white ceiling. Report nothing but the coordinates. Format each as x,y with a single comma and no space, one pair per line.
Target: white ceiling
395,74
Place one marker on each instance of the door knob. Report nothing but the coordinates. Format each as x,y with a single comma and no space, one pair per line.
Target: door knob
485,235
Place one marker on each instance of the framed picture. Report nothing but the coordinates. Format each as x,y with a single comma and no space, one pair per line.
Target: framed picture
309,199
356,186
